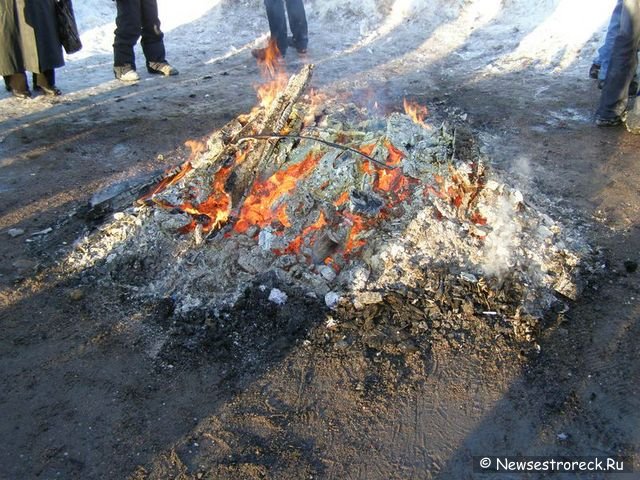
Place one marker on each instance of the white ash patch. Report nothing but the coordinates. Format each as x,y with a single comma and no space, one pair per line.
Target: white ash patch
277,296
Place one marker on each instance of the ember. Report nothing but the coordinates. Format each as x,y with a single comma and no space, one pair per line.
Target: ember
215,208
258,206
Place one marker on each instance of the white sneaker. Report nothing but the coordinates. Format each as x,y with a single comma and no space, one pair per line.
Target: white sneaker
126,74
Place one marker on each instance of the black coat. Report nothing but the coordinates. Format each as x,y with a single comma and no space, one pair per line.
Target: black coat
28,37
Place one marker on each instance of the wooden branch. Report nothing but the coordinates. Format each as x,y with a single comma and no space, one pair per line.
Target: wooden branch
316,139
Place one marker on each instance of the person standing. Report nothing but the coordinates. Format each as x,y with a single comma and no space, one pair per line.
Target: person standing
278,26
600,65
138,19
29,42
622,66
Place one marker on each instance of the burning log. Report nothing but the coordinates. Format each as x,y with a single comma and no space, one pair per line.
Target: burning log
237,165
276,117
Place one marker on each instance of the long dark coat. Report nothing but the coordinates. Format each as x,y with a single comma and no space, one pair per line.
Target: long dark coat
28,37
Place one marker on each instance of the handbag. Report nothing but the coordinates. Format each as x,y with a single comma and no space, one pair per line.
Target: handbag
67,28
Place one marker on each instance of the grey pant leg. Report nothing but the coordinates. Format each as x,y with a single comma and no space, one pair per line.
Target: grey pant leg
613,100
297,22
277,23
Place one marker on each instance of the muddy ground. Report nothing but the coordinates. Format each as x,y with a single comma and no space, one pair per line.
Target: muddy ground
83,398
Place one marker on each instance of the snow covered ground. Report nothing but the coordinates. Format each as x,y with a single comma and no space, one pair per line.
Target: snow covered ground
549,34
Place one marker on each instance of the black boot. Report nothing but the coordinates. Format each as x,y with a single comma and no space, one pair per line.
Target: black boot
46,82
17,85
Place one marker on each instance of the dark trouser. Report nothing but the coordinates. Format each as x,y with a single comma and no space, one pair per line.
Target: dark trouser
46,79
278,23
613,100
135,19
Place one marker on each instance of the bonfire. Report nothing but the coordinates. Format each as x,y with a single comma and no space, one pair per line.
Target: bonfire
330,201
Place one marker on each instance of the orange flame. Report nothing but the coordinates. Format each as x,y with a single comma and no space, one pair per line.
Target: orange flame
478,219
196,146
395,156
168,181
272,68
215,209
342,199
240,156
391,180
366,167
358,226
281,215
416,112
330,262
258,206
367,149
295,245
431,190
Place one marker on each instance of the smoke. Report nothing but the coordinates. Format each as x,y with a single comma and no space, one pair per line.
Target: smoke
522,166
501,242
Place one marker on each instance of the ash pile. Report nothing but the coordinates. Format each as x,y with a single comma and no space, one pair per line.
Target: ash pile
311,197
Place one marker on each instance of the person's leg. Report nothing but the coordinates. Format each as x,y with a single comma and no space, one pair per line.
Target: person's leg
127,33
17,84
277,23
604,52
298,24
613,100
46,81
152,37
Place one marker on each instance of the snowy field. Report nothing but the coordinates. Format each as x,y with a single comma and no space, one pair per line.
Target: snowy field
544,34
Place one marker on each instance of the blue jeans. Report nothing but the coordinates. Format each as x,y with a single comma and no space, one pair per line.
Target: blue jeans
135,19
622,66
604,52
278,23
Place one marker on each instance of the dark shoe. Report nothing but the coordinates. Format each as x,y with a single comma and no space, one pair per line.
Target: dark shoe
594,71
297,45
50,91
161,68
126,73
610,122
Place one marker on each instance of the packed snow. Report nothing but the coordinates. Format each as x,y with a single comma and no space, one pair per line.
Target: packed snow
199,33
